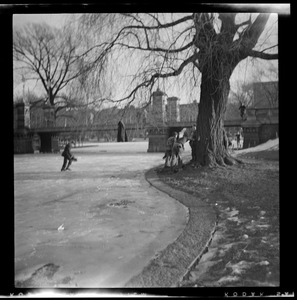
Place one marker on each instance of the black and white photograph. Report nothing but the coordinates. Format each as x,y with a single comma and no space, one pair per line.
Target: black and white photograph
146,149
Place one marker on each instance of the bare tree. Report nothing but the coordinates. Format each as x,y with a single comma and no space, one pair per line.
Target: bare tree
240,94
204,48
55,58
271,93
265,85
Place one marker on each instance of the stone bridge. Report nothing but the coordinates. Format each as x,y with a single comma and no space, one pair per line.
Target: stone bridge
259,126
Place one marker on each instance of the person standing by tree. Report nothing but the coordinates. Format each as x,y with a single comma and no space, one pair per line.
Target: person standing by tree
168,153
177,150
68,157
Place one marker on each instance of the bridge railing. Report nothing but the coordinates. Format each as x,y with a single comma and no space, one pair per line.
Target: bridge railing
94,127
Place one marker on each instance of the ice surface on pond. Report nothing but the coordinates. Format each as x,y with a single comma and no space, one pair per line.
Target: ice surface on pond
99,224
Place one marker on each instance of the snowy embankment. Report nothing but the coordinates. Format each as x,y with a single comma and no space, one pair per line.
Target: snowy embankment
268,150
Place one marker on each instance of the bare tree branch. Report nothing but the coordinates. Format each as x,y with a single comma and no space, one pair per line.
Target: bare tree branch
156,49
52,55
215,49
262,55
155,76
252,33
161,26
247,22
228,27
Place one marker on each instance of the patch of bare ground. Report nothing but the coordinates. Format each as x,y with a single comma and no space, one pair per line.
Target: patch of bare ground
245,247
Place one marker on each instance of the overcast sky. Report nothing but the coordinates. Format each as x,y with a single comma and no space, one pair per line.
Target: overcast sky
243,72
56,20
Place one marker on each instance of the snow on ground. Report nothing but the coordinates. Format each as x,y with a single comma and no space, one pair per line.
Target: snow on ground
271,145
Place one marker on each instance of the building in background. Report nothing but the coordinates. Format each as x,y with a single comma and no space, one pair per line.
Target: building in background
265,94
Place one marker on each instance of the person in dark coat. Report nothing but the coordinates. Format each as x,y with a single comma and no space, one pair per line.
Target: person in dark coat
193,142
68,157
168,152
122,134
177,150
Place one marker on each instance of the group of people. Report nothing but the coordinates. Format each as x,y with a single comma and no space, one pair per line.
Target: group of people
236,141
175,147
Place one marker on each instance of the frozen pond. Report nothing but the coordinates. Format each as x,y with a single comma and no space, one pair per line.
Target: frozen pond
112,222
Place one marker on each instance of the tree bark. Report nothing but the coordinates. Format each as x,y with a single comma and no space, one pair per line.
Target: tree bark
211,149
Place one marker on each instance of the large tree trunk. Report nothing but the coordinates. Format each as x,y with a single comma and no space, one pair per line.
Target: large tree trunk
211,149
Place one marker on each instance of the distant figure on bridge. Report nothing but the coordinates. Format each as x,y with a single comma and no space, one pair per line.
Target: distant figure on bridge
193,142
68,157
122,134
242,109
168,152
